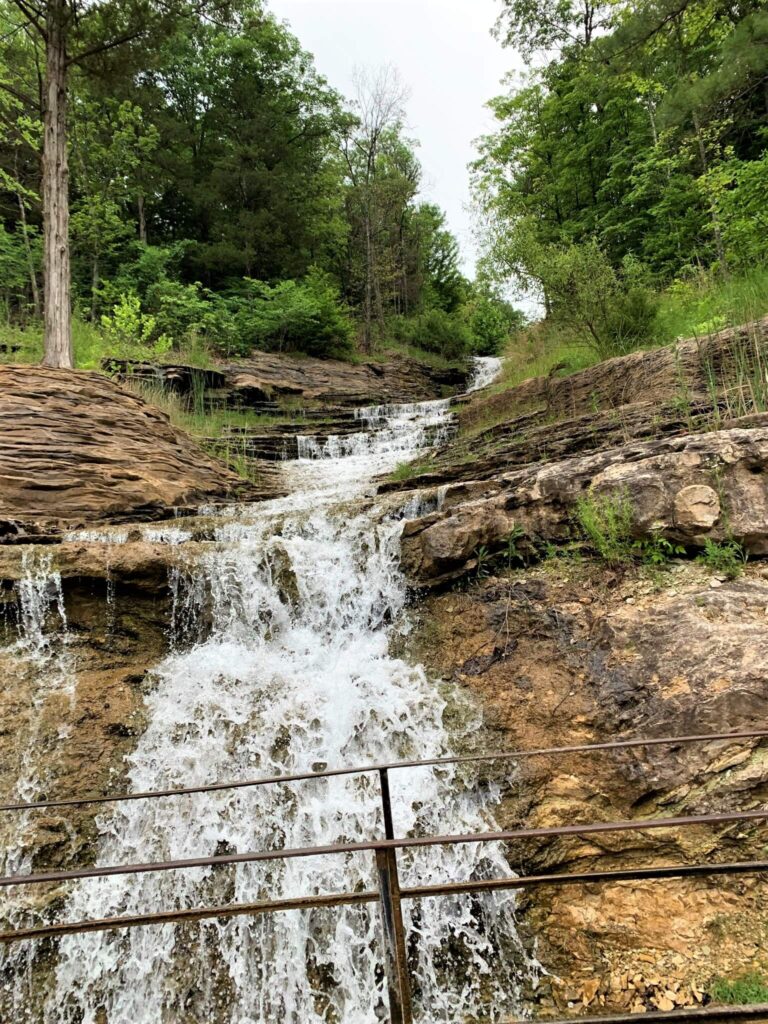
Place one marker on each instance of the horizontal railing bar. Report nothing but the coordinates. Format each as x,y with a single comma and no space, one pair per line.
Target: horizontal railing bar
665,871
190,916
273,780
187,916
638,825
705,1013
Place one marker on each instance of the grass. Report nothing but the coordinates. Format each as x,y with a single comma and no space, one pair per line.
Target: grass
704,304
421,355
411,470
749,988
197,418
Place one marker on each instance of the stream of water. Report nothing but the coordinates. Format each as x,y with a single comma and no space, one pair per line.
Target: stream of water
297,602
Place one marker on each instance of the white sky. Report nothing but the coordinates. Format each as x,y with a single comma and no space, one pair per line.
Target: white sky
447,57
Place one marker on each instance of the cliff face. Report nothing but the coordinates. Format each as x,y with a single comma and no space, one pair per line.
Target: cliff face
570,655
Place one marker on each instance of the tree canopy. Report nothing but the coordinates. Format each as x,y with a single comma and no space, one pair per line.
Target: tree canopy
211,183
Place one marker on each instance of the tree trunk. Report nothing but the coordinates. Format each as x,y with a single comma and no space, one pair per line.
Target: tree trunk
58,310
716,231
142,219
30,258
95,278
368,302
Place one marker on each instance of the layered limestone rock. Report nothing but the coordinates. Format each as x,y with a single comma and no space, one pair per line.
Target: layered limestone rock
576,655
686,489
265,377
699,385
76,448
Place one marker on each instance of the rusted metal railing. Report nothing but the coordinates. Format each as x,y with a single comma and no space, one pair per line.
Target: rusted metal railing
389,894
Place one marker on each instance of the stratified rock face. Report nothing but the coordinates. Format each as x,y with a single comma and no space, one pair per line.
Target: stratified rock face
687,489
77,448
566,655
267,376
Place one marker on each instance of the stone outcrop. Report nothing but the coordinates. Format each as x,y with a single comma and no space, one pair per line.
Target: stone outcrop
77,448
699,385
686,489
264,378
574,655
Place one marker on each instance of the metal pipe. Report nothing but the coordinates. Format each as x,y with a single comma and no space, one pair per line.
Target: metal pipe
665,871
105,924
393,930
512,755
594,828
415,892
709,1014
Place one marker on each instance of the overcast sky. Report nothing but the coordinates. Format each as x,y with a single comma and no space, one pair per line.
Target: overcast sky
446,56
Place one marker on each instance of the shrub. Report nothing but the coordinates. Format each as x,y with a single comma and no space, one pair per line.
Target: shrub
491,321
445,334
606,520
131,334
305,316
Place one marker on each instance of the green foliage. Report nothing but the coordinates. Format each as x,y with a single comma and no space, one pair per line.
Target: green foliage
216,178
656,551
131,334
642,132
740,991
491,321
436,331
724,559
305,316
607,522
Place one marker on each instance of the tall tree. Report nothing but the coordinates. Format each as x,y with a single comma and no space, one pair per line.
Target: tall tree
74,32
379,106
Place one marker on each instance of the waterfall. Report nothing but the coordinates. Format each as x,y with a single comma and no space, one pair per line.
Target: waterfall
484,373
292,672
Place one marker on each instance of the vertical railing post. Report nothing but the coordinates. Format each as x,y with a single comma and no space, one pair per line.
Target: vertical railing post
395,952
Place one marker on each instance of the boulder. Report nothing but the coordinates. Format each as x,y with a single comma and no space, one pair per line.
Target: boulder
76,448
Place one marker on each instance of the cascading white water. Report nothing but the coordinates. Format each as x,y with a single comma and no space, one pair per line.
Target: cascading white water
296,601
484,373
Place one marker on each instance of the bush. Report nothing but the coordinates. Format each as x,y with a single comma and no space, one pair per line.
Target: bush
726,559
131,334
305,316
445,334
491,321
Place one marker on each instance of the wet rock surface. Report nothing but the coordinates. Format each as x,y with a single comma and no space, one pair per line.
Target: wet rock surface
564,656
76,448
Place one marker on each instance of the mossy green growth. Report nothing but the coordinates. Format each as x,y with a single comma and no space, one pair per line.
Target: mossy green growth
749,988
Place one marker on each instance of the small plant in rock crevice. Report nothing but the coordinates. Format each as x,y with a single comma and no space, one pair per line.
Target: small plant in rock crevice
606,521
727,558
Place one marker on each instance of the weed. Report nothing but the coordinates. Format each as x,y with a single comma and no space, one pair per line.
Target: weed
656,550
724,559
749,988
606,520
410,470
513,552
483,560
